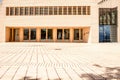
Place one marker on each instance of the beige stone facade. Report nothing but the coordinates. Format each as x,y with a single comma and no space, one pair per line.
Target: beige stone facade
78,21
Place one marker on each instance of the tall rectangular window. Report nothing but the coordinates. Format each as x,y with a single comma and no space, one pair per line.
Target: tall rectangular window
74,10
60,10
31,10
50,10
45,10
79,10
65,10
84,10
55,10
88,10
16,11
26,10
36,10
69,10
21,11
7,11
41,11
11,10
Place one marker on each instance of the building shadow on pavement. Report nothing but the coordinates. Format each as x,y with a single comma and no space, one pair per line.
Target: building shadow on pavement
110,73
29,78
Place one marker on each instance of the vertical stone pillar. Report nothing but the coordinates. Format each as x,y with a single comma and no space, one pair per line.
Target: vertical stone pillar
38,34
54,34
21,34
71,34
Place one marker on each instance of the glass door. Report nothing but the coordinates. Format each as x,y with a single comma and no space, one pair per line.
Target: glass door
33,34
26,34
59,34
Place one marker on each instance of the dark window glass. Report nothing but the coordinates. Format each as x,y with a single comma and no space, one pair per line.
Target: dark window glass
74,11
37,11
79,10
65,10
69,10
41,10
50,11
43,34
33,34
16,11
55,10
21,11
26,10
59,34
31,10
76,34
45,10
26,34
50,34
11,11
66,34
84,10
88,8
60,10
7,11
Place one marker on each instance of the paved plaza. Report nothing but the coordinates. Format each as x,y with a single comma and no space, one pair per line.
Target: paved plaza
59,61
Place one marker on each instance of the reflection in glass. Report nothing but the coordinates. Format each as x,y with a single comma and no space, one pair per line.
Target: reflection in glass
26,34
50,34
59,34
76,34
43,33
66,33
33,34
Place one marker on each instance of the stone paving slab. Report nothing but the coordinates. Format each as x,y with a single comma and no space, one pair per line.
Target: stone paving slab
59,61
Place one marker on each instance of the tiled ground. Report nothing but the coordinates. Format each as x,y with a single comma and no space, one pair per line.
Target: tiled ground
59,61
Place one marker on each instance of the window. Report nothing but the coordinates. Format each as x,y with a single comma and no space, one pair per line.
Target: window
79,10
7,11
21,11
26,10
36,10
55,10
31,10
65,10
26,34
84,10
88,10
50,34
60,10
45,10
41,10
50,10
11,10
16,11
74,10
69,10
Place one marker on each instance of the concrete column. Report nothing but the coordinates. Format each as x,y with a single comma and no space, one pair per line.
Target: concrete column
54,34
71,34
12,34
21,34
38,36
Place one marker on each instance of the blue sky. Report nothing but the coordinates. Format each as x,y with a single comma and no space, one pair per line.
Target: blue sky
0,0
